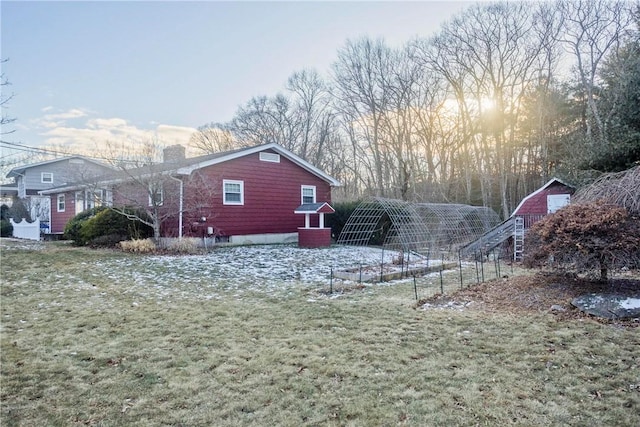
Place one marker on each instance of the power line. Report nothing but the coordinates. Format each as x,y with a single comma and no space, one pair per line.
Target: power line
21,147
37,150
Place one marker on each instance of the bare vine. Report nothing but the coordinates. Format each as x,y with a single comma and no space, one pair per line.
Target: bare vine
620,188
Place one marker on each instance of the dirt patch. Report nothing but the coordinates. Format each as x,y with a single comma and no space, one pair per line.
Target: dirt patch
542,292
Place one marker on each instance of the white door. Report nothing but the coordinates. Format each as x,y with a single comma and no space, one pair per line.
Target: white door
79,202
557,201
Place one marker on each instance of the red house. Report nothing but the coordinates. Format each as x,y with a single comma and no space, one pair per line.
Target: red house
243,196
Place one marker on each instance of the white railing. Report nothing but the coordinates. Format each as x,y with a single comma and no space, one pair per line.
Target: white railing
25,229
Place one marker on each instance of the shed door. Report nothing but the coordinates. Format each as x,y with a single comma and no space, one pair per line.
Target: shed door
557,201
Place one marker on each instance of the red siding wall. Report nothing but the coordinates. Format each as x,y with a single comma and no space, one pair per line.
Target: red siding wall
272,191
60,219
537,204
314,237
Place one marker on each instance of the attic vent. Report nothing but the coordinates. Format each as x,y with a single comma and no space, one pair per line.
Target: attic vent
269,157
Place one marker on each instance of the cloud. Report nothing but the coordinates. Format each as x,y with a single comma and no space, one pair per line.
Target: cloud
53,120
174,134
76,131
113,123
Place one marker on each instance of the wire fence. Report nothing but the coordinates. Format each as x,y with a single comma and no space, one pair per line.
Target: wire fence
422,277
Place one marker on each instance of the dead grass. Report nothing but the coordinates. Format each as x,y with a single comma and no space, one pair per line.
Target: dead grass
79,349
539,293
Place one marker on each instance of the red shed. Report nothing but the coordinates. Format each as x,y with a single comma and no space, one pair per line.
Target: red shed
547,199
242,196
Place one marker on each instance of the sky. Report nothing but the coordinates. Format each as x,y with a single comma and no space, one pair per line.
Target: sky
84,73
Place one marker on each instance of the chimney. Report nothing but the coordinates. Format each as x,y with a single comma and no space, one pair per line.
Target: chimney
173,154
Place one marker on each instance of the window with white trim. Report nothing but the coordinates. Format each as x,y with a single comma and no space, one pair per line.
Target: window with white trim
94,198
46,178
308,194
233,192
61,203
156,194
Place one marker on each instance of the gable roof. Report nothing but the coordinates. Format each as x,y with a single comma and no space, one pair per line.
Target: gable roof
322,207
188,165
213,159
540,190
19,170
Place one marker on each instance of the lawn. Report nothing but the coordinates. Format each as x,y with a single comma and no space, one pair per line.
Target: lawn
250,336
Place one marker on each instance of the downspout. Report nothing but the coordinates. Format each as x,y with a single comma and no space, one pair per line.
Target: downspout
180,205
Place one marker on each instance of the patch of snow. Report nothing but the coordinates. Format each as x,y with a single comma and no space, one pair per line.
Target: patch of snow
280,270
630,303
449,305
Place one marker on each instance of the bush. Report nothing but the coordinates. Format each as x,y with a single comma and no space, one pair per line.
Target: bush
109,240
72,231
6,229
104,227
585,237
186,245
138,246
19,210
338,219
108,227
4,212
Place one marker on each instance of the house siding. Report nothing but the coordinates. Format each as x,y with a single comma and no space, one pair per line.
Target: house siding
537,203
65,171
272,191
59,219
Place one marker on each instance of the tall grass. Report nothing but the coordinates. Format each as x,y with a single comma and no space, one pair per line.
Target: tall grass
81,349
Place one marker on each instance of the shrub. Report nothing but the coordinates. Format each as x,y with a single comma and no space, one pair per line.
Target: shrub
109,240
104,227
187,245
6,229
108,227
585,237
19,210
338,219
138,246
4,212
72,231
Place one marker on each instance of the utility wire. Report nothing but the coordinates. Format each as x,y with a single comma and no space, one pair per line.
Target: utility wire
21,147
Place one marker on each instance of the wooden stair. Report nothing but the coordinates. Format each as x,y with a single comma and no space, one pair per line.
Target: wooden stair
491,239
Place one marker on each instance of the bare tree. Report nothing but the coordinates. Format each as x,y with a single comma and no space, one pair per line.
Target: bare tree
5,98
362,99
265,120
592,30
214,138
149,190
490,55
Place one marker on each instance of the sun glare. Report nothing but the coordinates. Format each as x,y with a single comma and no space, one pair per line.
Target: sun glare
487,103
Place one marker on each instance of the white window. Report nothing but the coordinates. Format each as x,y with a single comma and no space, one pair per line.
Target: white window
233,192
94,198
308,194
61,203
108,197
269,157
46,178
156,194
